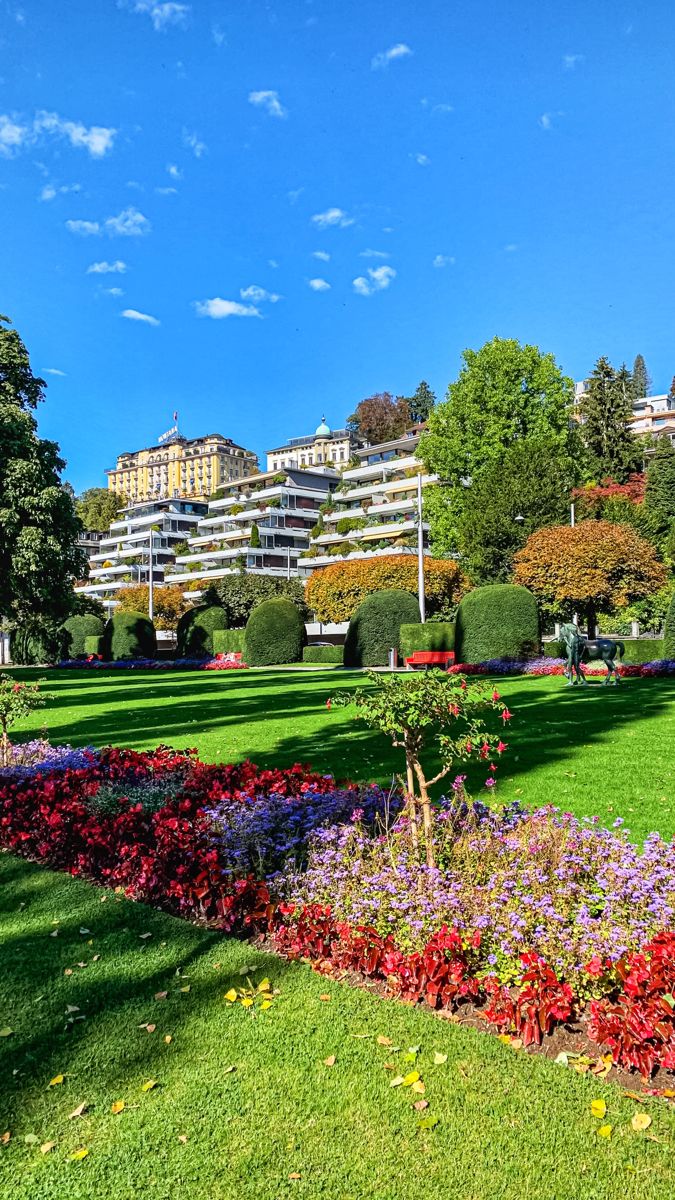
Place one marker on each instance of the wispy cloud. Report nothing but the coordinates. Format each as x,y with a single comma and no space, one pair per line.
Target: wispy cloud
381,60
132,314
54,371
570,61
259,294
174,171
218,35
422,160
295,194
84,228
114,291
511,247
378,279
161,14
50,190
270,102
443,260
218,308
547,119
107,268
332,217
319,285
129,223
194,143
166,191
373,253
272,262
18,132
322,255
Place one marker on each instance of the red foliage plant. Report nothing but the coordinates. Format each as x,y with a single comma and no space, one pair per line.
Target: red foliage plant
594,495
638,1025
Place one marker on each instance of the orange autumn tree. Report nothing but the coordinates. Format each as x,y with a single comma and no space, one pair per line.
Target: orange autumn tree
590,568
335,592
168,602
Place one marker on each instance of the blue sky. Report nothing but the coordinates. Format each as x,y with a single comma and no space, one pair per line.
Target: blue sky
463,170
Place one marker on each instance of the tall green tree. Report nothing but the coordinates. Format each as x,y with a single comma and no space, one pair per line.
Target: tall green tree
421,404
613,451
98,507
526,488
660,490
39,556
505,393
641,382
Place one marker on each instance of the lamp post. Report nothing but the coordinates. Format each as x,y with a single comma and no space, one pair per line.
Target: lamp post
420,553
151,594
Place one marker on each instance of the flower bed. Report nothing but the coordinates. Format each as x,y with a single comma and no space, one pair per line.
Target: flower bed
28,759
556,666
221,662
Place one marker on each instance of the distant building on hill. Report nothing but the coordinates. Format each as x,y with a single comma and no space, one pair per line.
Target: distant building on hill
326,447
180,468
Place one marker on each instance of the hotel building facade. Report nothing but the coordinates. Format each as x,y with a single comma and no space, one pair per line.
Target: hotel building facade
180,468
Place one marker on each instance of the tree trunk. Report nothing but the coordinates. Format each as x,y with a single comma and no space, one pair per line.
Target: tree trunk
410,803
427,818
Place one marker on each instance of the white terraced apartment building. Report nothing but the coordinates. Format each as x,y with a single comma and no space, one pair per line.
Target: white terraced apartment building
374,510
122,556
260,525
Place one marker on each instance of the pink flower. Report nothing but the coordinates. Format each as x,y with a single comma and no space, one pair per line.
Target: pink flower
501,747
506,715
328,704
491,782
495,695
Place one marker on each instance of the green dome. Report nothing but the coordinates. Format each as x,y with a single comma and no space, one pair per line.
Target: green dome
323,429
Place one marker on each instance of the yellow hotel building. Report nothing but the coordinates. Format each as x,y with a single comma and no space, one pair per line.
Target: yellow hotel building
179,467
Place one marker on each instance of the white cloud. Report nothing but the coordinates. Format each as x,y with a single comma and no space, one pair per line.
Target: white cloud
218,35
193,143
15,133
218,308
12,134
107,268
50,190
269,101
332,216
272,262
442,108
443,260
174,171
422,160
322,255
132,314
54,371
295,195
378,279
84,228
114,291
545,121
319,285
570,61
400,50
511,247
373,253
258,294
162,15
129,223
166,191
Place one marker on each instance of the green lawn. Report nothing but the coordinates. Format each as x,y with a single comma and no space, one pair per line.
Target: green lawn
604,751
511,1126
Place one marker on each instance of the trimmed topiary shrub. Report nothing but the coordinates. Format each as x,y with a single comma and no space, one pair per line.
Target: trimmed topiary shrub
196,628
77,630
323,654
275,633
94,644
36,642
376,627
669,632
129,635
434,635
229,641
638,651
498,621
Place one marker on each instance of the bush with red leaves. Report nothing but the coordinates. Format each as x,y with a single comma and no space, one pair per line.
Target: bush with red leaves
638,1023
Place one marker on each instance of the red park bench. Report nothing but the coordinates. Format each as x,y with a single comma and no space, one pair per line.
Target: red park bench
430,658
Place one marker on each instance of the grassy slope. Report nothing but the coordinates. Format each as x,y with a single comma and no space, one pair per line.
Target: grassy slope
599,751
511,1126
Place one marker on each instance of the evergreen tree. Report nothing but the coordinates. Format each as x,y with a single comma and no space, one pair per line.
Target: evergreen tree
39,556
421,403
660,491
640,377
605,409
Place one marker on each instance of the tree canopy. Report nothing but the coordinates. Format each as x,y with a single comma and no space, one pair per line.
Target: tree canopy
422,402
168,602
660,490
39,555
640,378
613,451
97,508
380,418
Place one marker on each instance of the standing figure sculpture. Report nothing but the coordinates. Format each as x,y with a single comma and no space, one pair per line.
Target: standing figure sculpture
582,650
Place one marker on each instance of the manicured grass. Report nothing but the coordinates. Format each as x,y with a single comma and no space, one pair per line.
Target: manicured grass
511,1126
601,751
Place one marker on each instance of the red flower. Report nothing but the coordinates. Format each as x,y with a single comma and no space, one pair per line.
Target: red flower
594,968
495,695
501,747
484,750
506,715
327,703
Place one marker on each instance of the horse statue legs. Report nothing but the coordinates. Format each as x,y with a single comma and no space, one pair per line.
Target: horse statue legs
574,645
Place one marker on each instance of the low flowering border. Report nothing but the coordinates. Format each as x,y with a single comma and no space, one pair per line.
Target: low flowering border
221,662
556,666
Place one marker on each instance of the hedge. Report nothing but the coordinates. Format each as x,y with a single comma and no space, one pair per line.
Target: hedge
76,631
434,635
498,621
335,592
669,632
635,652
323,654
239,595
36,642
129,635
94,644
229,641
275,633
196,628
375,627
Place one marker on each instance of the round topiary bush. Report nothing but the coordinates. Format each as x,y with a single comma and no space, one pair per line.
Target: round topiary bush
375,627
76,629
196,628
669,632
275,633
129,635
498,621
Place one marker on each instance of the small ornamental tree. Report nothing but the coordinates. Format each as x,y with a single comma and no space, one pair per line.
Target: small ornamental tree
17,700
430,714
334,593
591,567
168,602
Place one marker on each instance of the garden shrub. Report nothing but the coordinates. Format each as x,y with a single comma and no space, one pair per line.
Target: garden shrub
434,635
94,644
229,641
275,633
635,652
36,642
196,628
239,595
498,621
129,635
77,630
335,592
669,632
323,654
376,627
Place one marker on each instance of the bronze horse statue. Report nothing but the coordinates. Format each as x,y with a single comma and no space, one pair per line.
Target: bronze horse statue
582,650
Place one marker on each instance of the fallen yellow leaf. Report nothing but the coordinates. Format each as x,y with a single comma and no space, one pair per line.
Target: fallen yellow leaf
148,1085
410,1078
77,1155
168,1039
325,997
46,1147
231,995
264,985
418,1086
4,1138
383,1041
330,1061
246,1002
266,1004
605,1131
56,1080
79,1111
186,988
182,1137
397,1081
598,1109
117,1106
641,1121
6,1031
439,1059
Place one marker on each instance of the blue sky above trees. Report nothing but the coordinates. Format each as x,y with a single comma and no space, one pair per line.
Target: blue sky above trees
260,213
